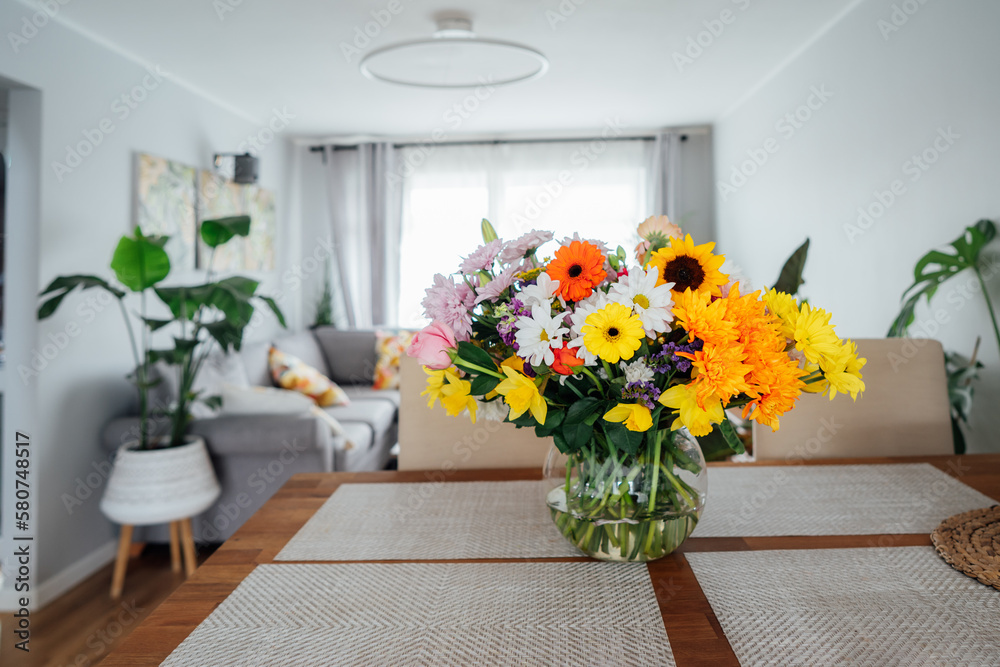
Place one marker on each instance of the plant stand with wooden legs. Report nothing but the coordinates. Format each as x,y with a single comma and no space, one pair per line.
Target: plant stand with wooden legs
181,545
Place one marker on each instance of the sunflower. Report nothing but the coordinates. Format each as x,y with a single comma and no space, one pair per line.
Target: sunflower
613,333
579,267
688,266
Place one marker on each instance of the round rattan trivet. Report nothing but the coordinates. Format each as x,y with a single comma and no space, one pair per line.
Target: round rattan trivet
970,543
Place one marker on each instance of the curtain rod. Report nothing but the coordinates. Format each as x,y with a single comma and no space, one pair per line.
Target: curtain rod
410,144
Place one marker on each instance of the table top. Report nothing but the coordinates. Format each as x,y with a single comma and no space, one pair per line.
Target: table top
696,636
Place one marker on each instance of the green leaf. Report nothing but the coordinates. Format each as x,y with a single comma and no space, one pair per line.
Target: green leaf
483,384
273,305
489,233
553,419
185,301
63,285
217,231
232,297
585,410
139,263
170,356
475,355
214,402
790,278
731,437
155,324
226,334
622,438
714,446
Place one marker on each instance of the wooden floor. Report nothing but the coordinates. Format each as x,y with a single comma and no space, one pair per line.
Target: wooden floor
82,626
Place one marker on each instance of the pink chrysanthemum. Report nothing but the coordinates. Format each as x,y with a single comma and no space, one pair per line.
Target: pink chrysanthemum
519,247
495,287
482,258
451,304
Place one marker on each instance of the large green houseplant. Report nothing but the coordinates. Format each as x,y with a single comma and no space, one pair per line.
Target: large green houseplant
217,310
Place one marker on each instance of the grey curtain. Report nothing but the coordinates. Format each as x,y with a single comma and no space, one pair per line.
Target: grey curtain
665,173
365,215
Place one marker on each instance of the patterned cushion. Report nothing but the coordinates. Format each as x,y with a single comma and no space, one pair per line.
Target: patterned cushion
390,346
292,373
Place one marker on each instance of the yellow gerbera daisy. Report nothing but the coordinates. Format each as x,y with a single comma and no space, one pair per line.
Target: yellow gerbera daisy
636,417
697,417
521,394
435,383
688,266
456,398
814,335
613,333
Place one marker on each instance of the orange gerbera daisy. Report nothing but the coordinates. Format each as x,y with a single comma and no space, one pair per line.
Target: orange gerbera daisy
579,268
688,266
703,318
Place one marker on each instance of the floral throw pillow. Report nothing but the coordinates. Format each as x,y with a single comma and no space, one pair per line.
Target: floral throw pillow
290,372
389,349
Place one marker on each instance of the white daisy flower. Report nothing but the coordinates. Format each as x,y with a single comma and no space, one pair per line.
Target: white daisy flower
652,304
637,371
537,336
591,304
493,411
541,293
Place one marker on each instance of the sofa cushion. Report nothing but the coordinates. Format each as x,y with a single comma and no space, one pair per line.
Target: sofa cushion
361,392
379,415
359,434
350,354
290,372
254,356
304,346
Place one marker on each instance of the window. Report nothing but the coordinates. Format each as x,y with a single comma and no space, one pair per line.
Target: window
600,190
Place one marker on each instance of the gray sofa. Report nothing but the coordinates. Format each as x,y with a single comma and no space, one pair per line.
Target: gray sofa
254,455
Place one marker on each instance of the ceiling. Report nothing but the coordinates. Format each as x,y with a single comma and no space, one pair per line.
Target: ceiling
608,59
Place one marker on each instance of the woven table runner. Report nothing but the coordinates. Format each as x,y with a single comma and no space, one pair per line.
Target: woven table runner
875,606
434,614
429,521
832,500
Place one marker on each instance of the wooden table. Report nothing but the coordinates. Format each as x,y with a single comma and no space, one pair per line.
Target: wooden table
695,634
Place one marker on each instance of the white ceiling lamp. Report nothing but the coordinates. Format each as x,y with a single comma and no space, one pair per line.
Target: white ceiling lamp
454,58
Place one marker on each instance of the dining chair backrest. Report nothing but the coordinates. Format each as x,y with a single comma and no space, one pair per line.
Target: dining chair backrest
430,439
904,410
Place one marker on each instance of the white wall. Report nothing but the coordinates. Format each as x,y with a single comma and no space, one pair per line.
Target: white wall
81,217
891,94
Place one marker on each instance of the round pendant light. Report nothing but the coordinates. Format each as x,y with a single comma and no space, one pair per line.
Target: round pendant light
454,58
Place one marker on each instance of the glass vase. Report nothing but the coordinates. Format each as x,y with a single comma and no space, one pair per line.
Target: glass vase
623,507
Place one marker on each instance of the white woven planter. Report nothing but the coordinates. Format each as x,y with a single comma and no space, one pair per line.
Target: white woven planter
161,485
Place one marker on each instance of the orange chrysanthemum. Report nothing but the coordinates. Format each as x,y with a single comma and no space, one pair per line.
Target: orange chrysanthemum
579,268
719,371
703,318
781,385
758,331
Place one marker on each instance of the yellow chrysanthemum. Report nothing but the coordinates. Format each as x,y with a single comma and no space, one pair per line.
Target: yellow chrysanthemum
697,417
636,417
521,394
435,383
688,266
844,373
703,318
613,333
814,335
456,398
784,307
719,370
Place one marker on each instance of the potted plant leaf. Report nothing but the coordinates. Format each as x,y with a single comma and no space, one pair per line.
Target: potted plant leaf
162,478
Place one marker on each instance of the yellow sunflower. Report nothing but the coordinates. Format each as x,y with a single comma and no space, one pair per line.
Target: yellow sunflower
613,333
688,266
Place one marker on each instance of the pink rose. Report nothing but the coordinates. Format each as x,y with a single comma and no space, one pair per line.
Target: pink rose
431,345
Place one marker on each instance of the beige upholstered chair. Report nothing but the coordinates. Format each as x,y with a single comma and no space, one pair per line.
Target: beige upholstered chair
904,410
429,439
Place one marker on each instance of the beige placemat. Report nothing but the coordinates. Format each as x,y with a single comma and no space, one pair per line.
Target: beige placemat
832,500
877,607
434,614
428,521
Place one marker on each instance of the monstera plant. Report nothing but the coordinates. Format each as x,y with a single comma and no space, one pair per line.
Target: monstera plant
931,271
217,310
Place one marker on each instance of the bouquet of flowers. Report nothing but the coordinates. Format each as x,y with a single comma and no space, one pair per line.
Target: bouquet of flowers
621,361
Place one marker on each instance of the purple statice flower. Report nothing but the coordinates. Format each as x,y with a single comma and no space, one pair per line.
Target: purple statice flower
482,258
667,360
519,247
451,304
645,393
507,326
494,288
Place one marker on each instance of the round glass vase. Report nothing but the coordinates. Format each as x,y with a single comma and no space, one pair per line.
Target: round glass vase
629,508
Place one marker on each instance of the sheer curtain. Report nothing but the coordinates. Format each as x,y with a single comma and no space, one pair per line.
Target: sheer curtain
365,218
599,189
